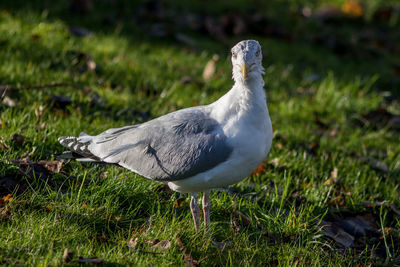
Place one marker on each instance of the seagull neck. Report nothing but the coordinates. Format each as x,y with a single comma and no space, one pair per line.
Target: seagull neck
242,99
249,92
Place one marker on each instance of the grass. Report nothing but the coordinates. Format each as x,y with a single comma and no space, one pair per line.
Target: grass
320,125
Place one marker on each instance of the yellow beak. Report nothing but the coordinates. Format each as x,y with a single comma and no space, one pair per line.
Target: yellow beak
244,69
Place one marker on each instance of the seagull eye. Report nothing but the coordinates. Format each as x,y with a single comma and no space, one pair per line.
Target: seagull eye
233,54
257,53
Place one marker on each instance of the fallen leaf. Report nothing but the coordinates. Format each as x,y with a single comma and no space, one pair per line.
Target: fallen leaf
9,102
336,233
209,69
152,242
352,9
18,139
163,245
3,145
132,243
334,174
7,198
90,260
274,161
5,212
260,169
84,206
53,166
68,255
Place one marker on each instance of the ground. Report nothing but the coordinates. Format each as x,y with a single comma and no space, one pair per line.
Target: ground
326,195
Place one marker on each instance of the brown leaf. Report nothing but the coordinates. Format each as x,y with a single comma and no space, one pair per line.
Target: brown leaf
260,169
5,212
163,245
68,255
53,166
7,198
209,69
334,174
9,102
152,242
132,243
3,145
352,9
90,260
84,206
18,139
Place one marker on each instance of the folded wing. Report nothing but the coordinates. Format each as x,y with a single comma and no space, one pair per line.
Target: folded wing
172,147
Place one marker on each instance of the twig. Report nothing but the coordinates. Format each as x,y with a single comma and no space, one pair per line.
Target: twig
38,86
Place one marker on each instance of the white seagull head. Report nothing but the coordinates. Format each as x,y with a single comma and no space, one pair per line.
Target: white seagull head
247,61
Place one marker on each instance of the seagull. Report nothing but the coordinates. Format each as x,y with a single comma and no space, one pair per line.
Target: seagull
195,149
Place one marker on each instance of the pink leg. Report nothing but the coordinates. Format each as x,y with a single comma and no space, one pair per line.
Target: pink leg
206,207
194,208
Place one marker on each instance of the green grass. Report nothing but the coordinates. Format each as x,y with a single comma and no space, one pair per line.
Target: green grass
95,210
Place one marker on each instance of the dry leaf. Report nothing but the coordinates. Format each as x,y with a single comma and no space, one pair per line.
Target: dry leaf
7,198
274,161
334,174
152,242
352,9
209,69
163,245
53,166
260,169
68,255
9,102
132,243
5,212
84,206
337,233
4,145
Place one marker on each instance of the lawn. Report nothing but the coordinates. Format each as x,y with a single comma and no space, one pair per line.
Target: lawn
326,195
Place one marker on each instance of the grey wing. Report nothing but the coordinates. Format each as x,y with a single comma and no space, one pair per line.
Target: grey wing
172,147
